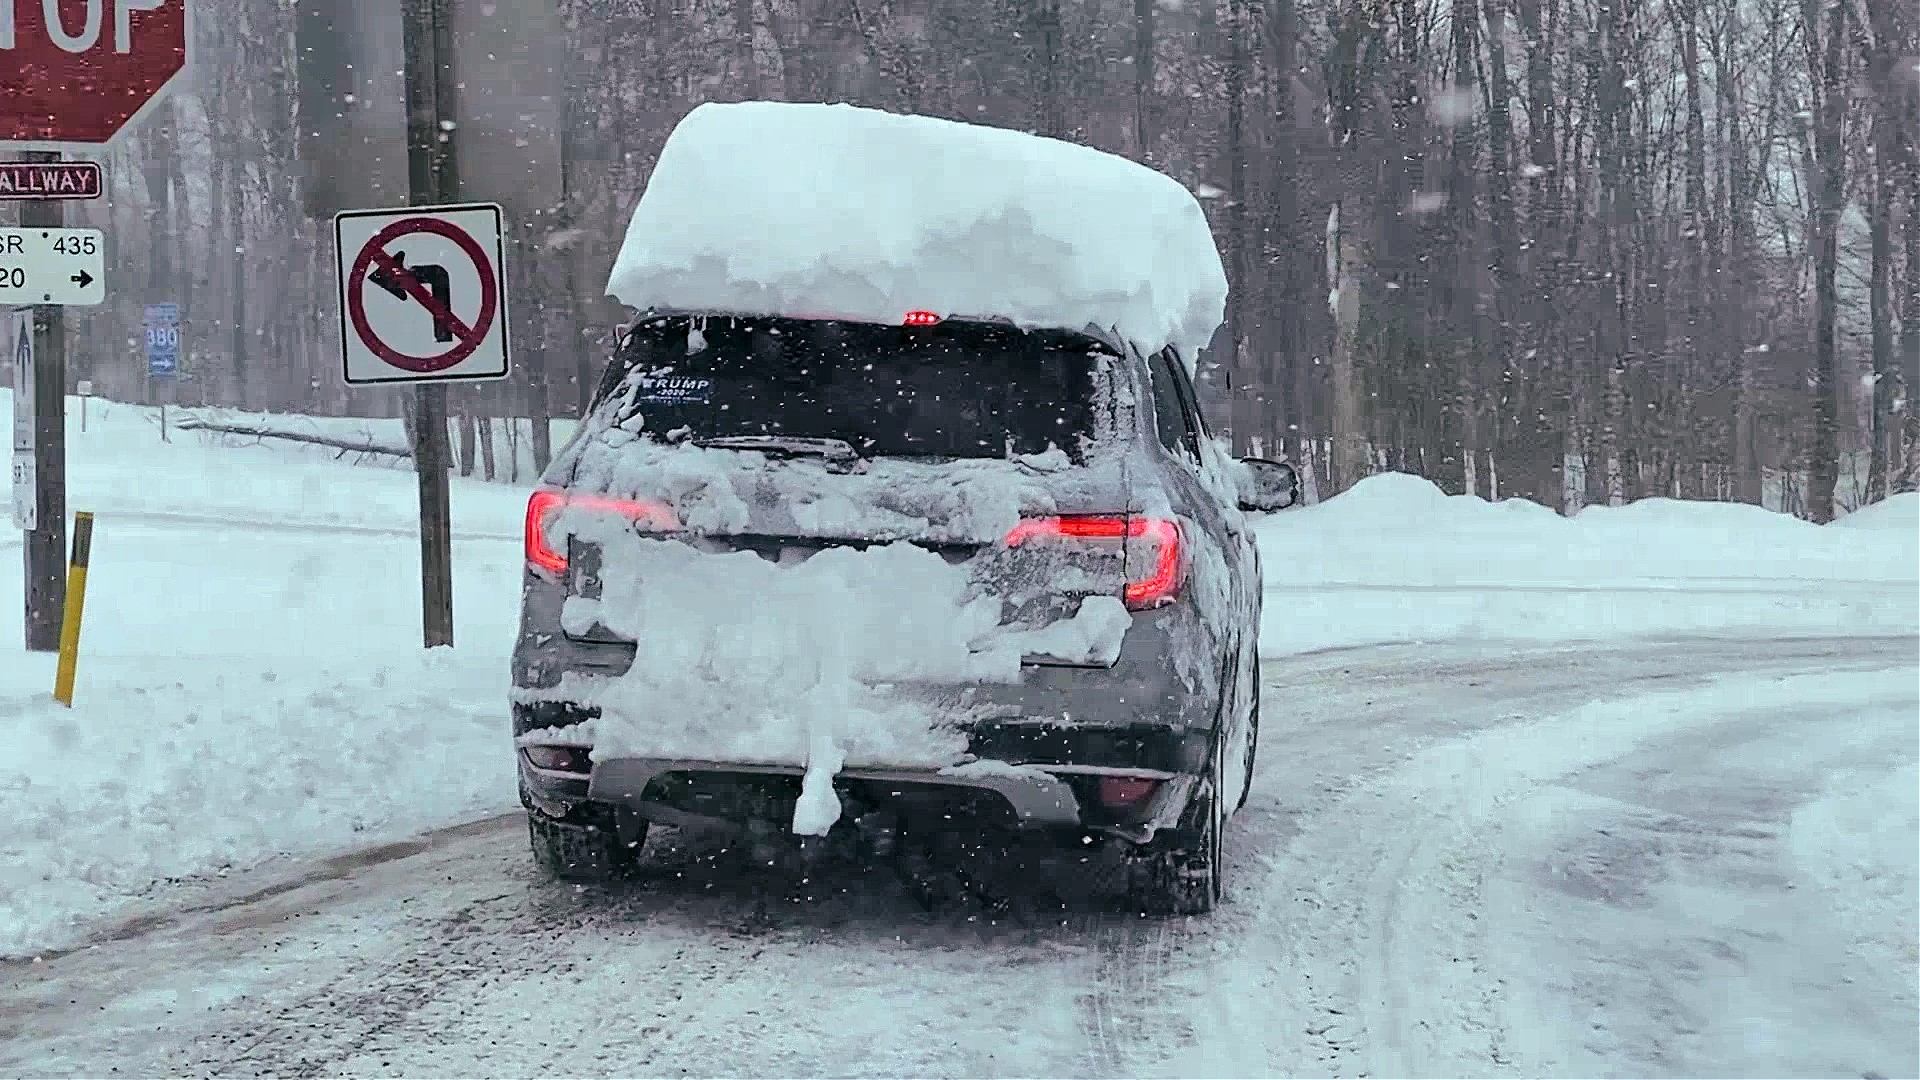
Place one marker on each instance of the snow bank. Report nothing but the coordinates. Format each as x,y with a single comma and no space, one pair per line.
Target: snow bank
1898,513
1395,559
832,210
251,683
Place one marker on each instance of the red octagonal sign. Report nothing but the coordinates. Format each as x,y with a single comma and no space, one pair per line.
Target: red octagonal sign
78,71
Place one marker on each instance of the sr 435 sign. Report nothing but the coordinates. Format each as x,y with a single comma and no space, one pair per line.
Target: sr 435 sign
52,266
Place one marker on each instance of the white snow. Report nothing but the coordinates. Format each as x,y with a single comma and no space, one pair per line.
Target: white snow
836,211
1396,560
1900,513
986,769
1714,879
742,659
251,682
252,687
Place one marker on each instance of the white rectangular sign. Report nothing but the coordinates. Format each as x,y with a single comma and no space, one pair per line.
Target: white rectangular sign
423,294
26,506
53,266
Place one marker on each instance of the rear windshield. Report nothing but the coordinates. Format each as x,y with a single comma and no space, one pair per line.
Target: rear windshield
951,390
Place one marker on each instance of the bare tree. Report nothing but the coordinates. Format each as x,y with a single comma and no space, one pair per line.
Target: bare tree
1826,55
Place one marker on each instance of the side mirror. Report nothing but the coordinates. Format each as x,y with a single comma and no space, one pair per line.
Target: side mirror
1267,486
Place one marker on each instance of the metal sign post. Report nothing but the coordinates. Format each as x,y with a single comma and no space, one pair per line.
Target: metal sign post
163,351
46,540
71,76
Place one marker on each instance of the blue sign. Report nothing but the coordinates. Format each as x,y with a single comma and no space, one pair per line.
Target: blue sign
163,341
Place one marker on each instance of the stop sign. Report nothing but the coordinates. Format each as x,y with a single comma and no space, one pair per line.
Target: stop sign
79,71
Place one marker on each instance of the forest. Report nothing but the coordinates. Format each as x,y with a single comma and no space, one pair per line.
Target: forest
1573,251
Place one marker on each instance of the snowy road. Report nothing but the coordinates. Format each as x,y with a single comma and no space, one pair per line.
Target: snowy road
1679,858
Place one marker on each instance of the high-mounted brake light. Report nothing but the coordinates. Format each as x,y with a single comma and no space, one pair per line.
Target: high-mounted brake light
920,318
1151,545
546,505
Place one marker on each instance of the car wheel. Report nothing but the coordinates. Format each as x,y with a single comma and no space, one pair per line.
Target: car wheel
595,848
1188,880
1253,738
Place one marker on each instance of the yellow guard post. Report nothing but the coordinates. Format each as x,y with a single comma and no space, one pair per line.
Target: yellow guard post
76,606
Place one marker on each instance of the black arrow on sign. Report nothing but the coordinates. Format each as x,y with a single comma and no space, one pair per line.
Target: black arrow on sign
431,275
82,279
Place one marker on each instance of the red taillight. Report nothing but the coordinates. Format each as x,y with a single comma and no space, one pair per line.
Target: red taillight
1151,546
920,318
1121,791
546,504
569,759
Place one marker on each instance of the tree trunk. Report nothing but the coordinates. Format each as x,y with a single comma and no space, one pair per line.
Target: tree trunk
1741,187
1910,309
1699,330
489,468
1348,459
1823,467
1896,125
236,191
1459,293
469,440
1143,46
1243,410
1286,253
1883,423
746,63
1528,447
1547,360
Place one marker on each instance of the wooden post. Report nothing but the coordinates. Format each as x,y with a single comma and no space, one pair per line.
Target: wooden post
46,544
432,178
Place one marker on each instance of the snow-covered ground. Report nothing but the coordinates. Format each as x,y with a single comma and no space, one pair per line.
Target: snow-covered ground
1681,858
253,694
1397,560
252,681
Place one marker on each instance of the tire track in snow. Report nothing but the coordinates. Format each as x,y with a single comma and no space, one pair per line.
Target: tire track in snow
358,1008
1126,1020
1372,947
1356,894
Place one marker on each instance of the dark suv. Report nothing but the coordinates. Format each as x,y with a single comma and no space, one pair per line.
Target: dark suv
1137,752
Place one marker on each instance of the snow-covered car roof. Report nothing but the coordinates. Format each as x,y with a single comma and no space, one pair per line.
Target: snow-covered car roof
833,211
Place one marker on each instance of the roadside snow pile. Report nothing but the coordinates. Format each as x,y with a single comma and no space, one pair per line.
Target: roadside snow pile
812,210
119,466
1897,513
1395,559
251,683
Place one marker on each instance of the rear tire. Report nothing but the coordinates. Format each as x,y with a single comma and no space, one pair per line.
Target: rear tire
1253,737
588,850
1188,880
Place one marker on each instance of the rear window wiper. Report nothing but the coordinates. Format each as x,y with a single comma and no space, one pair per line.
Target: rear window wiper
787,445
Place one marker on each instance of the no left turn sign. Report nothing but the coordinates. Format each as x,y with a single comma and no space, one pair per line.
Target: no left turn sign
422,294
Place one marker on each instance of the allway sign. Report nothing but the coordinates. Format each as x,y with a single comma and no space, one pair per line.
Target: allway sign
423,294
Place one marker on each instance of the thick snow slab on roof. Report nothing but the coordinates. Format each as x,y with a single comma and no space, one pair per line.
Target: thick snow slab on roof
830,210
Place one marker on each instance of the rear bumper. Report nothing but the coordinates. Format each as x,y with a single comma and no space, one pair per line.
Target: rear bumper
1037,801
1045,798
